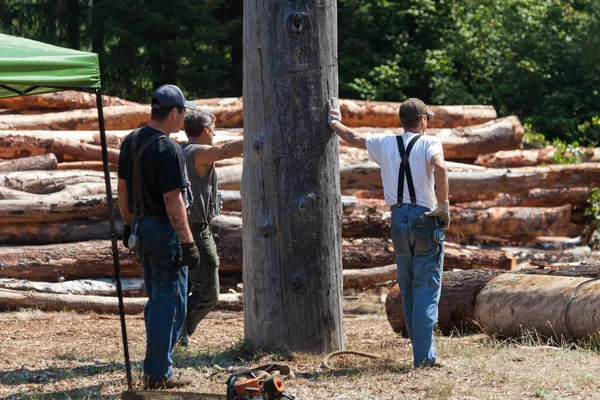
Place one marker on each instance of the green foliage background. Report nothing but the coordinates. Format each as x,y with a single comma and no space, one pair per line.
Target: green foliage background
537,59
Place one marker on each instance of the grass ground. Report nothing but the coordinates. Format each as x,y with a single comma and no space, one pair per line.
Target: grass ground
79,356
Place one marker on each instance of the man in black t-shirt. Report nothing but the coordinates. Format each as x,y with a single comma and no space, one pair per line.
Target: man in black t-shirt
166,246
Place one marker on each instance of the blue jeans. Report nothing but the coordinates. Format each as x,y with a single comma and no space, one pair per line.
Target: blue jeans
420,260
166,287
203,284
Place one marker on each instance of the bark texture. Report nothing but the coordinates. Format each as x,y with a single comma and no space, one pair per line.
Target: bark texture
554,307
291,205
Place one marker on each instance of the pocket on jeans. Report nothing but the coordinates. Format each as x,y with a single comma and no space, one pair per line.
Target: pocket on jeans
422,229
400,246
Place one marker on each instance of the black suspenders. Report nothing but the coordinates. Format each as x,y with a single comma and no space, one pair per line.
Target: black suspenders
405,167
136,186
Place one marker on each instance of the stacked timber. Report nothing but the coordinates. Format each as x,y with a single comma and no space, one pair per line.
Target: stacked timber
55,238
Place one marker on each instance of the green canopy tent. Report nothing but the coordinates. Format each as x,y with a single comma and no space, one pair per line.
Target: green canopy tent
28,67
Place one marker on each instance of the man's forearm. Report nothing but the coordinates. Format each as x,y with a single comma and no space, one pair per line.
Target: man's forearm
233,148
124,202
441,184
349,136
178,217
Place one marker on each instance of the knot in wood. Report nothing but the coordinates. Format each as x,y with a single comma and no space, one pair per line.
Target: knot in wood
306,202
257,145
298,24
297,281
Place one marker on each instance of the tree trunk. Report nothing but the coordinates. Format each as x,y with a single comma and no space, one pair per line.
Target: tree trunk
528,158
67,100
232,201
80,230
460,290
52,263
24,211
43,182
551,306
291,204
456,305
47,162
14,300
71,150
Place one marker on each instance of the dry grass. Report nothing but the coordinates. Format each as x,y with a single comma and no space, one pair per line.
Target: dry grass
75,356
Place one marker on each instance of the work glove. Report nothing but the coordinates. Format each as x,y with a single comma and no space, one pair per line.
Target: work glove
442,211
190,255
335,115
126,234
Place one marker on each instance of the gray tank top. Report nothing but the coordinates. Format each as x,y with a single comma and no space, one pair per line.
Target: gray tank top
204,189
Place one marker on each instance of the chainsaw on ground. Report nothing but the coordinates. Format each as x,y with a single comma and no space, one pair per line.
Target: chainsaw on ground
256,384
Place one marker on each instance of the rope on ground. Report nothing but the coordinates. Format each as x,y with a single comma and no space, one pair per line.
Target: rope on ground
342,352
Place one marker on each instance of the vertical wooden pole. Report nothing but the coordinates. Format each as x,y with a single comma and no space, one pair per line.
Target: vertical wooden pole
292,208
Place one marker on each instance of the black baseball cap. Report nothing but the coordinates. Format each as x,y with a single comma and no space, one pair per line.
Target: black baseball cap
412,109
170,96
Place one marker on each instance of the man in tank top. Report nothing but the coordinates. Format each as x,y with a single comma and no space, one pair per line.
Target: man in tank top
200,156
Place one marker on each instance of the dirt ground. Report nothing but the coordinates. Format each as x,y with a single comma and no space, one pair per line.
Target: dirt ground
64,355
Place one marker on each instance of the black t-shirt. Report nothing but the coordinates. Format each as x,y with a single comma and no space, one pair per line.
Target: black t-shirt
161,169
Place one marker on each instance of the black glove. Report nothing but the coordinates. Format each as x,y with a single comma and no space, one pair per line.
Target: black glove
126,234
190,255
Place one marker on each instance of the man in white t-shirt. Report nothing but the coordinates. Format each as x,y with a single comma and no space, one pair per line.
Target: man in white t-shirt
419,207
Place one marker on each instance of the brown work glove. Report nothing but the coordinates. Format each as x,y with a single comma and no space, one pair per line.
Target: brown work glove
335,115
442,211
190,255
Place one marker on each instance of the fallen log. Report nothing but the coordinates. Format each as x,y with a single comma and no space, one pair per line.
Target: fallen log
362,278
456,312
374,221
44,182
45,162
516,181
67,192
24,211
229,113
66,100
539,256
468,142
131,287
66,261
78,151
575,196
40,233
528,158
385,114
115,117
14,299
549,306
18,144
460,290
85,165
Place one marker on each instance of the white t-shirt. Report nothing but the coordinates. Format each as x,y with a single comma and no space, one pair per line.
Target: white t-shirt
384,151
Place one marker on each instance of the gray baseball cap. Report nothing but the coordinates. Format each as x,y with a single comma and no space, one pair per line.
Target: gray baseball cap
170,96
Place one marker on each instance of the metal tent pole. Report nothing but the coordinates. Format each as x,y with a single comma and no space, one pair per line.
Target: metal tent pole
113,239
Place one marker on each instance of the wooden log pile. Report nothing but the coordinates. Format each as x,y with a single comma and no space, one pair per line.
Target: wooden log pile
54,235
